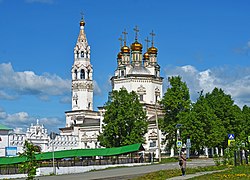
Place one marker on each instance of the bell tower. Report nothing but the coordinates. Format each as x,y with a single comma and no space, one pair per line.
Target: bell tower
82,72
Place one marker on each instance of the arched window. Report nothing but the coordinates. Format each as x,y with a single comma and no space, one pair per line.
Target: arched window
75,74
82,54
88,73
82,76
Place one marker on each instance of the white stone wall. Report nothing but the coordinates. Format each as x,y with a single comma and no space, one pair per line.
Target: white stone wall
132,84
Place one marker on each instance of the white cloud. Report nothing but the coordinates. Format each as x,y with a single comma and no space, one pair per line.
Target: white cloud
14,84
233,80
4,95
97,90
243,50
65,100
23,120
40,1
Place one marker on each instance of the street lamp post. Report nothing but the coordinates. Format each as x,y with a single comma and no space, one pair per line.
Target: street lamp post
157,126
178,126
53,136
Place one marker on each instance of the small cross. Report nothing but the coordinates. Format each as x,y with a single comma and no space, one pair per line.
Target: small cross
120,39
152,34
124,33
147,41
82,15
136,32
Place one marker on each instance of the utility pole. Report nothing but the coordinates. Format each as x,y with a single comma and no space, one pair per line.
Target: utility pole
53,136
157,126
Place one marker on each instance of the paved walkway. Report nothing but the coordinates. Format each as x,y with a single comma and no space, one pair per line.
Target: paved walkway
188,176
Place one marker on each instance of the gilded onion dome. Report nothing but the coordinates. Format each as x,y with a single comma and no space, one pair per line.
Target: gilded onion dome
146,56
152,50
82,23
125,49
119,55
136,46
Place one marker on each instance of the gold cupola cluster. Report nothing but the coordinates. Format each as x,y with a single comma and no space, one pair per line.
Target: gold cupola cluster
136,46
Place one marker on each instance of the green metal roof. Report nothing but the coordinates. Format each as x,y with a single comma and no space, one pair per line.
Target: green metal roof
3,127
77,153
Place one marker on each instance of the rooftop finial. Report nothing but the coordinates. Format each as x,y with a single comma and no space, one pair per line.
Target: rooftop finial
147,41
152,34
82,22
82,16
120,39
124,33
136,32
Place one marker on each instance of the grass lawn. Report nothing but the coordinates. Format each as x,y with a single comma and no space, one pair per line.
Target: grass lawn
164,174
238,172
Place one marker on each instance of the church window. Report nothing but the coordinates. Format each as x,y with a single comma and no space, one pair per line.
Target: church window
141,91
88,73
82,54
75,74
152,144
141,97
82,76
89,105
122,73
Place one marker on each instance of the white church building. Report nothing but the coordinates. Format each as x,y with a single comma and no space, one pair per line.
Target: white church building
135,71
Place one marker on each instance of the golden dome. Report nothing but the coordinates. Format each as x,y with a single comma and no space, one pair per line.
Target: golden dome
125,49
119,55
136,46
82,23
152,50
146,56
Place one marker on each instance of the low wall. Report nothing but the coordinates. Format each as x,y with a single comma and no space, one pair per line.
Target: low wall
68,170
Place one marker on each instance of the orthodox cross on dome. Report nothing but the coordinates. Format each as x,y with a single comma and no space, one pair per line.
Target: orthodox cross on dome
125,34
152,34
147,41
120,39
136,32
82,15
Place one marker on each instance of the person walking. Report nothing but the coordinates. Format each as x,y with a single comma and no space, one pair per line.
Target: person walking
182,162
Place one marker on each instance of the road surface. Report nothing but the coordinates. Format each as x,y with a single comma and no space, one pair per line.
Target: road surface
126,172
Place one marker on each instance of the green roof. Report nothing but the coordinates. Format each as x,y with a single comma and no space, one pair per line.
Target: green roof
3,127
77,153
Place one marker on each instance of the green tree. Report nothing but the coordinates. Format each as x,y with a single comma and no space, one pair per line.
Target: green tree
246,121
176,103
124,120
226,111
30,165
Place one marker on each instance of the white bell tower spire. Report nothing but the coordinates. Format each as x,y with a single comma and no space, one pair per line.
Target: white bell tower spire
82,82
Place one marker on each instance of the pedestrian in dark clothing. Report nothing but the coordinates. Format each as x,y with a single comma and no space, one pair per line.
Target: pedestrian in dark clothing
182,163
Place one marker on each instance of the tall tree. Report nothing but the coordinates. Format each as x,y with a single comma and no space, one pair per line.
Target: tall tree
176,102
226,111
246,121
124,120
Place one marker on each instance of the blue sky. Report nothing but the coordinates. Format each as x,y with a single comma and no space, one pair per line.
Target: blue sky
206,42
